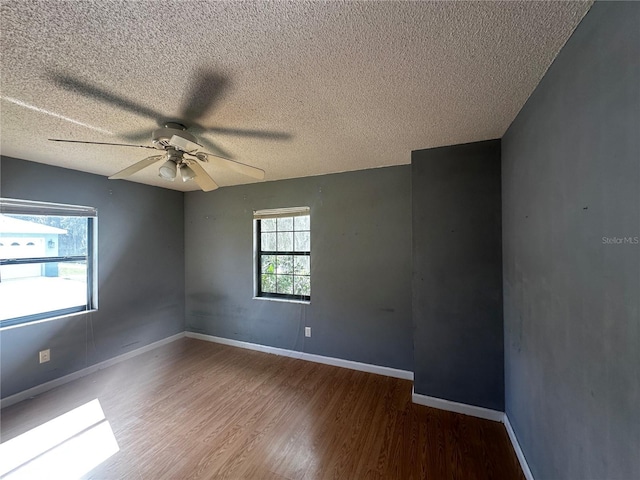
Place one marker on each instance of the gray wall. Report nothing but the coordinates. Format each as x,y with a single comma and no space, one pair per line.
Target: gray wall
360,266
457,274
140,274
571,176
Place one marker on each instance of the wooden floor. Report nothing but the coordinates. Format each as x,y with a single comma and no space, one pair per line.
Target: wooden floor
193,409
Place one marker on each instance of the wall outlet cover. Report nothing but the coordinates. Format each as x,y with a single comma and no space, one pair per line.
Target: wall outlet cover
45,355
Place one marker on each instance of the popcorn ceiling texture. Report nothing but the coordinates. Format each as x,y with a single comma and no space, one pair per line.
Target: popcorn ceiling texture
357,85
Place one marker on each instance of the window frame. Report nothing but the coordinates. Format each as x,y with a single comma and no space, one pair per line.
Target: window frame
258,216
9,206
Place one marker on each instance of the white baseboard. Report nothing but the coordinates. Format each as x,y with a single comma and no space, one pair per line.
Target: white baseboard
456,407
310,357
38,389
516,446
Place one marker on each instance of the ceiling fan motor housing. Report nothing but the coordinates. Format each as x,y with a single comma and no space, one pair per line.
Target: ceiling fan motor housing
174,155
162,136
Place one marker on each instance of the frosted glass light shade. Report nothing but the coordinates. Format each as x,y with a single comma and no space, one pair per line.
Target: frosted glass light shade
187,173
168,170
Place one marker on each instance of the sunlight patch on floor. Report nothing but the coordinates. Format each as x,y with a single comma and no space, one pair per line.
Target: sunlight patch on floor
69,446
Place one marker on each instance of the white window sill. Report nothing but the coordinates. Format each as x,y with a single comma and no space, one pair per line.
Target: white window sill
285,300
43,320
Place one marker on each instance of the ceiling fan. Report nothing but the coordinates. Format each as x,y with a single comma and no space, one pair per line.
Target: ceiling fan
181,154
182,151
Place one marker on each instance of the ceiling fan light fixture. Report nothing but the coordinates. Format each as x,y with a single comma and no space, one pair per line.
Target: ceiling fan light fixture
187,173
168,170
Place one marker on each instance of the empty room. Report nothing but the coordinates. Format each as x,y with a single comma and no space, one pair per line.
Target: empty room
319,240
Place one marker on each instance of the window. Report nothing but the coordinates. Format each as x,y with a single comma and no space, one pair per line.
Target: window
47,260
283,253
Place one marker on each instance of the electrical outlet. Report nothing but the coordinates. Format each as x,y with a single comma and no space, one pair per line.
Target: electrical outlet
307,331
45,355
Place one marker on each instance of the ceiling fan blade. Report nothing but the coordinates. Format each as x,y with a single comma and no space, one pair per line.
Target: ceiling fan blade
240,132
233,165
136,167
92,91
100,143
207,88
202,178
184,144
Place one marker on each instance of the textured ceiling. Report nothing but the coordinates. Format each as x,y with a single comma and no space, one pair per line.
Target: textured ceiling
353,85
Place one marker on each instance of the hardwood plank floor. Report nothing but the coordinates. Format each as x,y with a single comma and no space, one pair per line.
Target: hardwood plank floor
193,409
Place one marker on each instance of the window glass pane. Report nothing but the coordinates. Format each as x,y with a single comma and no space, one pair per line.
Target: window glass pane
268,225
301,265
76,271
284,284
302,222
268,242
285,264
302,241
285,241
41,287
268,264
302,286
285,274
47,236
285,224
268,283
